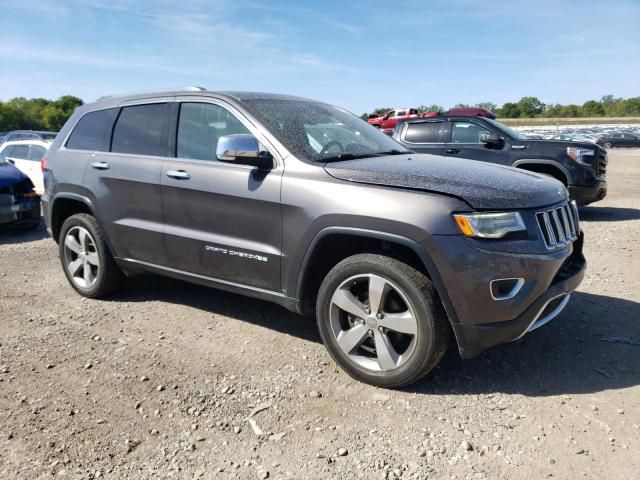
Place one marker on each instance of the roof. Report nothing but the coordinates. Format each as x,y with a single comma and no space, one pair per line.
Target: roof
191,90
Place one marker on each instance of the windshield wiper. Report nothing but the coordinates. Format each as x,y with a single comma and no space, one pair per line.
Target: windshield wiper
392,152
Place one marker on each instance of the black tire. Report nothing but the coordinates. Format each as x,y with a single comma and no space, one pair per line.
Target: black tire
607,145
109,276
431,340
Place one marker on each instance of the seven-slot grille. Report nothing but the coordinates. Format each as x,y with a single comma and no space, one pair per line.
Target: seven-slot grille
559,225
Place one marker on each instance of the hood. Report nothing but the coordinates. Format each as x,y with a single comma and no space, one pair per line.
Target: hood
484,186
535,142
10,175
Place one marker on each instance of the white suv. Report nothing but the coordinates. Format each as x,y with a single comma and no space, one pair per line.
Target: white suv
26,155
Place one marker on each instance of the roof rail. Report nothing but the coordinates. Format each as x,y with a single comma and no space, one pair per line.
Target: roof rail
153,92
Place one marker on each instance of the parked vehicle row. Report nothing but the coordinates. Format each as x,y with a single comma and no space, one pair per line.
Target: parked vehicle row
608,137
303,204
27,135
580,166
388,121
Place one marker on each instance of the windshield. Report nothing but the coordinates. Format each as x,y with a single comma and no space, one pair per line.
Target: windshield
318,132
508,130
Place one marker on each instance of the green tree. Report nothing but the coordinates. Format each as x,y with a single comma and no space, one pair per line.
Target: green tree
492,107
592,108
510,110
430,108
530,107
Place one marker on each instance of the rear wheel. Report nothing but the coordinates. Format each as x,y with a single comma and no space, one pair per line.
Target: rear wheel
381,321
85,257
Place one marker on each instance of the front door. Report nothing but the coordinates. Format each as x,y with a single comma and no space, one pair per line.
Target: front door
464,142
222,220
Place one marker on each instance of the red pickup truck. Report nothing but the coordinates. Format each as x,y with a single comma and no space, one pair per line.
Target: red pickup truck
388,121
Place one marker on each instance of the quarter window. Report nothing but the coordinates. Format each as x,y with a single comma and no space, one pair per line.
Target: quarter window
467,132
200,125
427,132
141,130
36,153
92,131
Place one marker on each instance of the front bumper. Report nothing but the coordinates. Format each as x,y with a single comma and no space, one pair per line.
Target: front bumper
481,321
586,194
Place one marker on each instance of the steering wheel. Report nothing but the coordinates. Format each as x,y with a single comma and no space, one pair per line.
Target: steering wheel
330,144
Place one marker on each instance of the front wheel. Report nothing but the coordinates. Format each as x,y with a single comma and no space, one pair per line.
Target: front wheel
607,145
381,321
86,259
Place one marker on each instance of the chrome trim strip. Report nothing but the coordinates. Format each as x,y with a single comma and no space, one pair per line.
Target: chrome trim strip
539,322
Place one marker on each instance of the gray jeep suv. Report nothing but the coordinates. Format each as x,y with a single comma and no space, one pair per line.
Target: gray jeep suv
302,203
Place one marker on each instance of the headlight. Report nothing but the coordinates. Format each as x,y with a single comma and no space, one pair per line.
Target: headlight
577,153
489,225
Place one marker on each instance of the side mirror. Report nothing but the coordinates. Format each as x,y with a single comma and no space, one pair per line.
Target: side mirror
243,148
386,117
491,140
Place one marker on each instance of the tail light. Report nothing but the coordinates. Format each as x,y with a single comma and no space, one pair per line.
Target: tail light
43,163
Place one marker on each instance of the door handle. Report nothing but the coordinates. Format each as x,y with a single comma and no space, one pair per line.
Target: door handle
100,165
453,151
179,174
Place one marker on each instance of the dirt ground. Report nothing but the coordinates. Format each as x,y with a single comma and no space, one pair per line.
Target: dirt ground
172,380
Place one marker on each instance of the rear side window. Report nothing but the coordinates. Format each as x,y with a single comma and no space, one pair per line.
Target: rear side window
92,131
8,151
142,130
21,152
427,132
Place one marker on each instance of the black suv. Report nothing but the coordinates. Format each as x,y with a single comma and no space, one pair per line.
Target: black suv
580,166
302,203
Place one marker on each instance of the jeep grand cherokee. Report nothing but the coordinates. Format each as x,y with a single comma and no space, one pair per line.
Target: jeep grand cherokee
302,203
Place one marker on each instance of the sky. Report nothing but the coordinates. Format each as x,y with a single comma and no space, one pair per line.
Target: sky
358,54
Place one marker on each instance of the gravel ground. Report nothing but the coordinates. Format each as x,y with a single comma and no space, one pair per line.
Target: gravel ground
172,380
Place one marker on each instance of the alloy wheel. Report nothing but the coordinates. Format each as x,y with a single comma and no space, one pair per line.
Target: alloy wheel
373,322
81,257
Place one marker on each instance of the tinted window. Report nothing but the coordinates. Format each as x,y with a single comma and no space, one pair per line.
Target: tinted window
401,113
92,131
200,126
141,130
37,152
20,151
467,132
427,132
8,151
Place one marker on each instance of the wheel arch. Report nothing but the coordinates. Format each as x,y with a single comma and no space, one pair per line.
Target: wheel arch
549,167
342,242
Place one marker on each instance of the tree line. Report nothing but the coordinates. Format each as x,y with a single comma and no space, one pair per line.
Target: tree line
41,114
533,107
36,113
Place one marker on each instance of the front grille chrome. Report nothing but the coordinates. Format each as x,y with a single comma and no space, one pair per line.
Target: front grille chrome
559,226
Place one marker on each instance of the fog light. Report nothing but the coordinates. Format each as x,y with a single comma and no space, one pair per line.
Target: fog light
505,288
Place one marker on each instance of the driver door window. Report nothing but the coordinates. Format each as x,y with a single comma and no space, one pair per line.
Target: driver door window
200,125
467,132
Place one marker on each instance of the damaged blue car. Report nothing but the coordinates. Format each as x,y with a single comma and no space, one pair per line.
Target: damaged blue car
19,203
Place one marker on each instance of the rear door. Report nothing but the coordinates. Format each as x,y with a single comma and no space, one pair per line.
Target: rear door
125,181
464,142
223,220
425,136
